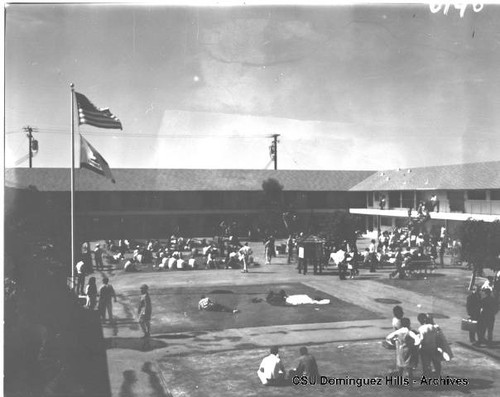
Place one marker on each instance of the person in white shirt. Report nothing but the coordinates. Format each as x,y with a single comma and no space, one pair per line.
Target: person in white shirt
209,305
130,266
406,342
172,263
428,346
245,253
80,278
271,370
372,256
488,284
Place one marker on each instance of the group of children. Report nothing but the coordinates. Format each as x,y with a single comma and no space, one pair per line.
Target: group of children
427,344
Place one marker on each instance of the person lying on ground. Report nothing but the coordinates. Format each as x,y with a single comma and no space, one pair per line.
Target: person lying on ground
209,305
278,298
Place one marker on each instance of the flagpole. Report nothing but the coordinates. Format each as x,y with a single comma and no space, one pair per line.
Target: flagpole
72,186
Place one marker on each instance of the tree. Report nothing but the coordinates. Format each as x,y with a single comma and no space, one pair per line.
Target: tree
338,227
271,219
480,245
273,192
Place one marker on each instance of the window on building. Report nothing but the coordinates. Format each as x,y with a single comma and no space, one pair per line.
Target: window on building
212,199
370,199
394,200
495,194
456,200
384,221
407,199
155,200
476,194
317,199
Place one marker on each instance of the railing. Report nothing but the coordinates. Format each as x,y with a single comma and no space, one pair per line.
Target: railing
482,207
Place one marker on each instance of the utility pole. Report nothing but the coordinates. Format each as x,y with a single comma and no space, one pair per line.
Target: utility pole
32,144
273,150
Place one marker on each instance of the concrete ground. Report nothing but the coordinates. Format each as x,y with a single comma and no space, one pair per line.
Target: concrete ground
189,355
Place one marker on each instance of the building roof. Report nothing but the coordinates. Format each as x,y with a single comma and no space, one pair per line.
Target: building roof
58,179
470,176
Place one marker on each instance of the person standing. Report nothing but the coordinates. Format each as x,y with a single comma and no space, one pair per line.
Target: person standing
398,315
86,256
80,277
302,261
434,203
98,257
489,308
406,349
245,253
372,254
106,296
442,250
144,311
91,292
289,245
428,346
382,202
473,307
269,249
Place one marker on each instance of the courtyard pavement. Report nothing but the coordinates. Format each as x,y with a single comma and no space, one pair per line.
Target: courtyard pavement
189,355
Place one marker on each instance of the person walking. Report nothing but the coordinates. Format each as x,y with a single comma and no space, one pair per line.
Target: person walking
144,311
473,307
106,296
91,292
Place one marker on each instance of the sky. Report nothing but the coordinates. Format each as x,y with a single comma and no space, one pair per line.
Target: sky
346,87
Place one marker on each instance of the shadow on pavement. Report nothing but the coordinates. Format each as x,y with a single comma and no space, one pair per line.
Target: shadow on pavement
127,387
154,381
139,344
182,335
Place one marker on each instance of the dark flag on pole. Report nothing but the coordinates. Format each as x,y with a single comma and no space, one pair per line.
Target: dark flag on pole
92,160
89,114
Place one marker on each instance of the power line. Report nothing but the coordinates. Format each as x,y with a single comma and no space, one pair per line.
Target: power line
140,135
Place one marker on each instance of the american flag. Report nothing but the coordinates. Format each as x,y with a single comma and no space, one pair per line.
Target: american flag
89,114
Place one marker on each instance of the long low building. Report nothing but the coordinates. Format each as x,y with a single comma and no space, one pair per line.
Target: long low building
151,203
145,203
464,191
